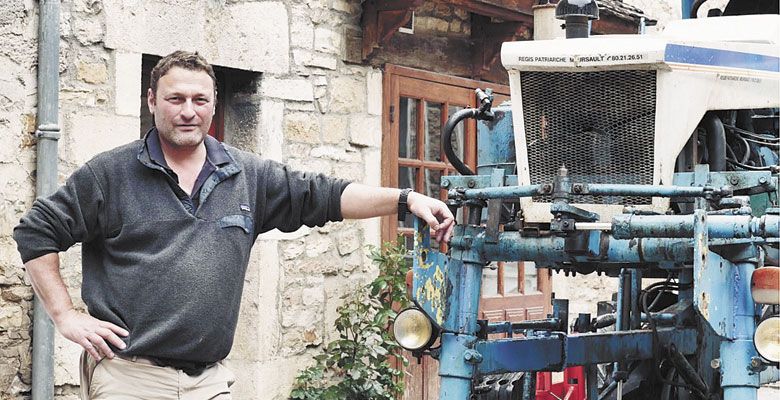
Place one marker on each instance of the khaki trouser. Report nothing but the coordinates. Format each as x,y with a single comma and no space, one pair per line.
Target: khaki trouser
120,379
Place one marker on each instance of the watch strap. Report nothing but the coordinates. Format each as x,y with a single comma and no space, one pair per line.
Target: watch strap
403,206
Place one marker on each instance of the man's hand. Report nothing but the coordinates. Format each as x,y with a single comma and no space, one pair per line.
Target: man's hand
90,333
434,212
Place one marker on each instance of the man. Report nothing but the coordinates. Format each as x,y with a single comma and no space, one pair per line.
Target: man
167,224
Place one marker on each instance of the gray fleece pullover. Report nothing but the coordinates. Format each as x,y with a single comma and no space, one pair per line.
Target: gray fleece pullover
170,276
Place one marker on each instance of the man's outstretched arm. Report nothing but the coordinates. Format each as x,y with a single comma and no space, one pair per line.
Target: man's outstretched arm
361,201
82,329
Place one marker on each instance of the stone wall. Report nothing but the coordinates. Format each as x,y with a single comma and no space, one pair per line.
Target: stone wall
306,107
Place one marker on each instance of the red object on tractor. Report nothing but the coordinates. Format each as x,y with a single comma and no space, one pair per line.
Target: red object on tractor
573,386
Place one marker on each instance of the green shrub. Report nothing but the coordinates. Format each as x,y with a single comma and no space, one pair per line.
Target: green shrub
358,365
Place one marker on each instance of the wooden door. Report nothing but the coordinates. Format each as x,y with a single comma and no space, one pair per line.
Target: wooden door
416,106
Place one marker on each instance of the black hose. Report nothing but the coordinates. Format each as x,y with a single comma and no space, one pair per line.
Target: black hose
716,142
452,122
751,134
695,8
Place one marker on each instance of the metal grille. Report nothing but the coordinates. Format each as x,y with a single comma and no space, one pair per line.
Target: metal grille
600,125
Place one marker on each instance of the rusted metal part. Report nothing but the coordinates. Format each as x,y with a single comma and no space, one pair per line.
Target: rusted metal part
558,351
431,288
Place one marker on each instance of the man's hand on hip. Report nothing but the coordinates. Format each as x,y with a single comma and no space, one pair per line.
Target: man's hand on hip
90,333
434,212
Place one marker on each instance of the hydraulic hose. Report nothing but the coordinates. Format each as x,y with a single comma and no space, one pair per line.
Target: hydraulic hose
716,142
452,122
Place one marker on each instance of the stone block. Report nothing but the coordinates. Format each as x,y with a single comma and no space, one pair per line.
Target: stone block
334,129
372,157
320,60
271,129
317,244
16,294
298,150
127,77
260,46
345,6
326,264
365,131
301,29
336,153
92,72
88,31
92,134
301,57
229,35
347,95
374,92
302,127
352,262
314,296
66,361
349,171
292,249
258,331
327,40
320,81
287,89
348,240
309,164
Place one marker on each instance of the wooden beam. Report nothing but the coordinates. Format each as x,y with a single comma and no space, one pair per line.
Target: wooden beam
506,10
488,37
381,20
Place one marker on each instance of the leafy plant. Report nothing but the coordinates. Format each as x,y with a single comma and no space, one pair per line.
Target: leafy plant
358,365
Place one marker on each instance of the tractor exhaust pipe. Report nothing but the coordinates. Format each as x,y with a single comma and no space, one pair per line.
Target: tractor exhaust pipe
577,15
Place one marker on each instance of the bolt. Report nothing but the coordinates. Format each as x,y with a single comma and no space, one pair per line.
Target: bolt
445,183
577,188
472,183
762,180
715,363
734,180
546,188
472,356
755,363
566,224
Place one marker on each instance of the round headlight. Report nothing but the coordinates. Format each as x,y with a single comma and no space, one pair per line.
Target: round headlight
767,339
413,330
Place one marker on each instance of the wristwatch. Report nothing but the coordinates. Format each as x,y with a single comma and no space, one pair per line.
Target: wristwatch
403,207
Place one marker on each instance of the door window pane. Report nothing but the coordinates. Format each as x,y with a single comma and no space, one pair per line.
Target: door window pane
531,282
458,137
433,125
407,178
490,280
432,182
407,128
510,278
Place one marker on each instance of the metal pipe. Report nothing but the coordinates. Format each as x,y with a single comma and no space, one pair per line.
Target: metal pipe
601,189
48,134
512,246
593,189
636,287
629,226
507,192
458,359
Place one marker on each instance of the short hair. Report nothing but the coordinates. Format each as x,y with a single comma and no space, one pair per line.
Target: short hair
183,59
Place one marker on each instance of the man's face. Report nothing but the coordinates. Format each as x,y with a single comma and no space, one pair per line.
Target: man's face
183,106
